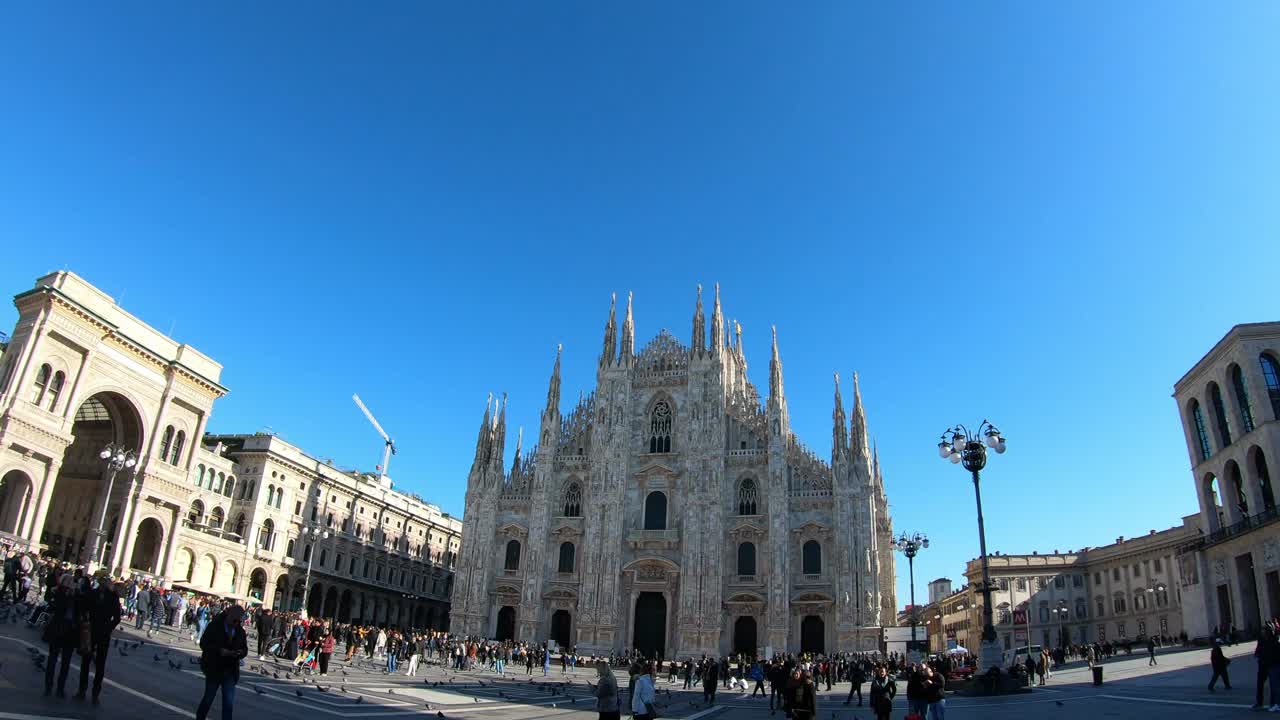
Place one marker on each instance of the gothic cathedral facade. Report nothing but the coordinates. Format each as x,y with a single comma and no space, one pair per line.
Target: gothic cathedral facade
674,512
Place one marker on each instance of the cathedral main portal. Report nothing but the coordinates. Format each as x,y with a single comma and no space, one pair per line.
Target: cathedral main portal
651,624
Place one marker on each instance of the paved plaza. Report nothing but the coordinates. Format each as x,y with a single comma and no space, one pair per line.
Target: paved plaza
160,679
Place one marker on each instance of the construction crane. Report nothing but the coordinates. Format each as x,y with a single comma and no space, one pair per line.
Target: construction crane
390,448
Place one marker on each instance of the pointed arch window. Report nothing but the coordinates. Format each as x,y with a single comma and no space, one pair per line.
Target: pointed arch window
512,561
1271,376
660,428
747,496
573,500
175,457
811,558
747,558
567,557
1202,435
1242,398
166,442
655,511
55,390
1220,415
42,382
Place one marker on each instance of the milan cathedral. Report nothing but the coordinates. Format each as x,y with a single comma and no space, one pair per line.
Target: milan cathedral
674,512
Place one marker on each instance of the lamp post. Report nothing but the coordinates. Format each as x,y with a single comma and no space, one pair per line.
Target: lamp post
959,445
1063,613
117,458
909,545
317,534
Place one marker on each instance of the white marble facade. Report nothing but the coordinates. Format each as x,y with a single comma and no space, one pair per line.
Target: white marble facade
674,511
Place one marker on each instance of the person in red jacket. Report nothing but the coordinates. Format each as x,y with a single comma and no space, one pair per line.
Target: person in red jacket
326,647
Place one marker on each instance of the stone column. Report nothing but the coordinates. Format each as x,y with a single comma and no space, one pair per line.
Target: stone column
127,534
171,547
190,450
19,385
32,533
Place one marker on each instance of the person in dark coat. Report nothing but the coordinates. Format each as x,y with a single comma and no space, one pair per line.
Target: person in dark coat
222,646
804,698
102,607
1219,663
62,633
857,676
709,678
881,693
265,625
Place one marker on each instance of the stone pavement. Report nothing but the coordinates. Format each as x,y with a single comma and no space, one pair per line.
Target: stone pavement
159,679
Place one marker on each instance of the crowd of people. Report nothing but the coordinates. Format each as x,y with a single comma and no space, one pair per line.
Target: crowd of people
78,612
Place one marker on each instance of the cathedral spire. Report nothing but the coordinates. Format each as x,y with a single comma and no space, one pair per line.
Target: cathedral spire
484,439
628,344
610,345
515,463
500,436
838,446
858,422
699,325
553,388
717,325
737,331
775,369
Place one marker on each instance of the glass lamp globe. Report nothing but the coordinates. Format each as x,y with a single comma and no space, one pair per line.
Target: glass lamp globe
106,453
944,449
130,462
1001,447
955,458
993,438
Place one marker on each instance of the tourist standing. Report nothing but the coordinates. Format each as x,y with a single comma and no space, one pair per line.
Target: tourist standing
644,696
1267,653
102,606
804,698
326,648
935,693
61,633
222,646
881,693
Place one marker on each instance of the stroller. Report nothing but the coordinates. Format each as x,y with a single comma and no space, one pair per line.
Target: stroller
307,660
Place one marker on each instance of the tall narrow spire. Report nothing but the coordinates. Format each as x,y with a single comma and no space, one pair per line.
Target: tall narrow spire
500,436
775,369
553,388
699,325
858,421
515,463
627,346
610,345
737,331
838,437
483,440
717,325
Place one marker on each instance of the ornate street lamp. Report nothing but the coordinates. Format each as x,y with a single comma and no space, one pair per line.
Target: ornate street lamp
117,458
959,445
909,545
317,534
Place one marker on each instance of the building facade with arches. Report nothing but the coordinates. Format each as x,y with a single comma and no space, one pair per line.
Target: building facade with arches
672,510
1229,404
220,514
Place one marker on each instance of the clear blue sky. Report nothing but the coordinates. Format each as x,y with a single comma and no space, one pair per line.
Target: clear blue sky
1003,210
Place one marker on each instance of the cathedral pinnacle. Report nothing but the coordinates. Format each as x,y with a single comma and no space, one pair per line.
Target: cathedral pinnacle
610,333
628,343
553,388
737,331
515,463
717,325
775,368
858,422
838,447
699,326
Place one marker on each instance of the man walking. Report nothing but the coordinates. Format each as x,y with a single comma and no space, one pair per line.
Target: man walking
143,605
103,606
263,627
1151,652
1219,663
222,646
12,576
857,676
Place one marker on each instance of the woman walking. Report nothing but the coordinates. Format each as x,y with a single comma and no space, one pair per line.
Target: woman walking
606,693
